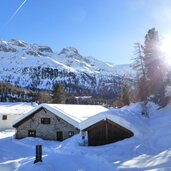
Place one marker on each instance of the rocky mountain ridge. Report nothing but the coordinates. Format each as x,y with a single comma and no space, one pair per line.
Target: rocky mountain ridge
34,66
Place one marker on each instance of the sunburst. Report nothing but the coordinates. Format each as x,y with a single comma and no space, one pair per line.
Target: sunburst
166,48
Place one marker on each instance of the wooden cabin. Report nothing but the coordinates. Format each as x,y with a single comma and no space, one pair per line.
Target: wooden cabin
109,127
105,132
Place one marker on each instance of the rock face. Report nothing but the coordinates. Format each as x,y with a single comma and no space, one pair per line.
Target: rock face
38,67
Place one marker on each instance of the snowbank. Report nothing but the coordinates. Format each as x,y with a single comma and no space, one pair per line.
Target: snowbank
129,117
147,150
16,108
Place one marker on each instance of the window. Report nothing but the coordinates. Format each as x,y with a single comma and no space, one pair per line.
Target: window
31,133
70,133
45,120
4,117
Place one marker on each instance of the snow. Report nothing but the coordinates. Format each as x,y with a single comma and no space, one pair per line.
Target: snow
83,97
13,111
148,150
74,114
16,107
54,156
17,65
124,116
69,59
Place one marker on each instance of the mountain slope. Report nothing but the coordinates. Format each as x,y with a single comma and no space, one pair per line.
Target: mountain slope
38,67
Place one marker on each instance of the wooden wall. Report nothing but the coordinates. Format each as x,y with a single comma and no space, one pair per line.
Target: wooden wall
105,132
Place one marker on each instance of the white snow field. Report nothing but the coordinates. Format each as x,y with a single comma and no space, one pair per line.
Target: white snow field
150,149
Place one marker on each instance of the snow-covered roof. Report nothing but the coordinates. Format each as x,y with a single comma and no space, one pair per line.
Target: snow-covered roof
126,117
16,108
73,114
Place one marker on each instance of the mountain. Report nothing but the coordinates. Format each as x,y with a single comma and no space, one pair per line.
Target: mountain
34,66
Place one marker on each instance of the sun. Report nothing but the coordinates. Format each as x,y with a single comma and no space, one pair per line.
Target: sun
166,48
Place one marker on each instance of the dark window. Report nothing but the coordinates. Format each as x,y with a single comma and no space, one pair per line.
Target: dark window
45,120
31,133
4,117
70,133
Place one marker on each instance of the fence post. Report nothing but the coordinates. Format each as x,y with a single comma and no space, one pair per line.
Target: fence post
38,154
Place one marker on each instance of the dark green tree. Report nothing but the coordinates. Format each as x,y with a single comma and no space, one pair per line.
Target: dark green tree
44,97
155,66
58,95
151,68
124,95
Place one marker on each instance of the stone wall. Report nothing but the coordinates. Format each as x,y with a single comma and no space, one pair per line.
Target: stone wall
45,131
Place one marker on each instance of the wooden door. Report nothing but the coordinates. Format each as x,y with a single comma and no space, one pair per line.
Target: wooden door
59,136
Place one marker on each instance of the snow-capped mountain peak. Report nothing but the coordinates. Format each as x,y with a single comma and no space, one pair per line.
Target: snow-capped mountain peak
37,66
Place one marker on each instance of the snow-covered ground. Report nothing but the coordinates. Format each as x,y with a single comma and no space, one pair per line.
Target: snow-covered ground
149,151
16,107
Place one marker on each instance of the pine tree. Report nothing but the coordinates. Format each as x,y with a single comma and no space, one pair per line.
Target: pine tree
138,64
142,92
154,65
58,95
44,97
124,96
151,69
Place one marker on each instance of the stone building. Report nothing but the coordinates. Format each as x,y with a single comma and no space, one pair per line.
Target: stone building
55,121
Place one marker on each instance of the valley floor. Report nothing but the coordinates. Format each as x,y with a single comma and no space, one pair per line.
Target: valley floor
150,151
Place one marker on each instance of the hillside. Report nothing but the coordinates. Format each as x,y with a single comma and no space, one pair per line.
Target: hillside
34,66
148,149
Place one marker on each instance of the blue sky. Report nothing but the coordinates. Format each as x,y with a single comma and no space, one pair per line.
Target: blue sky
105,29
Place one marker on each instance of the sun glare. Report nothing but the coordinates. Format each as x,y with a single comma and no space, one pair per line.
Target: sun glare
166,48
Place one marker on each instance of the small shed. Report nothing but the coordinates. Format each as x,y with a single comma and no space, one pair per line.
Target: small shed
105,132
105,128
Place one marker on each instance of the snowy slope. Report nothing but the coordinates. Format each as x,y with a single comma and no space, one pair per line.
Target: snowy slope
149,150
37,66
